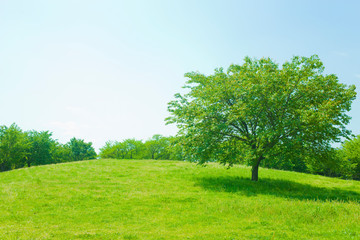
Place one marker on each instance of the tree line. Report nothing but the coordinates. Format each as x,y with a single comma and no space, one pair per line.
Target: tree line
24,149
158,147
20,149
31,148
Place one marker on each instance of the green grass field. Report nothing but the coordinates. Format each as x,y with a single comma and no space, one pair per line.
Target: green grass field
146,199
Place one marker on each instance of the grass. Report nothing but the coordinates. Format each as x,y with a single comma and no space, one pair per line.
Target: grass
146,199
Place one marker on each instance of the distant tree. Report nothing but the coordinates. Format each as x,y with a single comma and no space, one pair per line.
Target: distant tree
113,149
106,151
258,111
127,149
40,151
134,148
158,146
14,147
81,150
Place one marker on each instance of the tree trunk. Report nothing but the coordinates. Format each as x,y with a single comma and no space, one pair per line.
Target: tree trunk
255,173
255,169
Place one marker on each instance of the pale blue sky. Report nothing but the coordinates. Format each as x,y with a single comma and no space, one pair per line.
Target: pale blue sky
105,70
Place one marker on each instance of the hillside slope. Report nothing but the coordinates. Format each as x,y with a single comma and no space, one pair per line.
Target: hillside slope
146,199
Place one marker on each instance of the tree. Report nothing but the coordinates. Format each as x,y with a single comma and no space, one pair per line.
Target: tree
133,148
157,146
61,152
41,145
81,150
14,147
259,111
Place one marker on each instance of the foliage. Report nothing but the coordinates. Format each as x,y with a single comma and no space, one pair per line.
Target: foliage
40,151
133,148
350,155
113,149
259,111
80,150
175,149
127,149
158,147
14,147
146,199
61,153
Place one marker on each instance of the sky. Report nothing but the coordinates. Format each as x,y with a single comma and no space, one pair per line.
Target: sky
105,70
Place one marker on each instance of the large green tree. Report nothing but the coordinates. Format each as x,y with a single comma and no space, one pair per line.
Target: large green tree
259,111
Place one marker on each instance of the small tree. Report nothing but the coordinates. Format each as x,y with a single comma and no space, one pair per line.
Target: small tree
258,111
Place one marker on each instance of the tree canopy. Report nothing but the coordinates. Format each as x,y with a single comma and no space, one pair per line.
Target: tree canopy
14,147
259,111
80,150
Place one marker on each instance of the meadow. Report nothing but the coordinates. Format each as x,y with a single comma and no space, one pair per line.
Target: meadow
148,199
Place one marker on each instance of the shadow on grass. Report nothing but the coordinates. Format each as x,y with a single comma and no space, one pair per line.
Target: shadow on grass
276,187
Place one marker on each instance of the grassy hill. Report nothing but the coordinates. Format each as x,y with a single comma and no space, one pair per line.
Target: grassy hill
145,199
